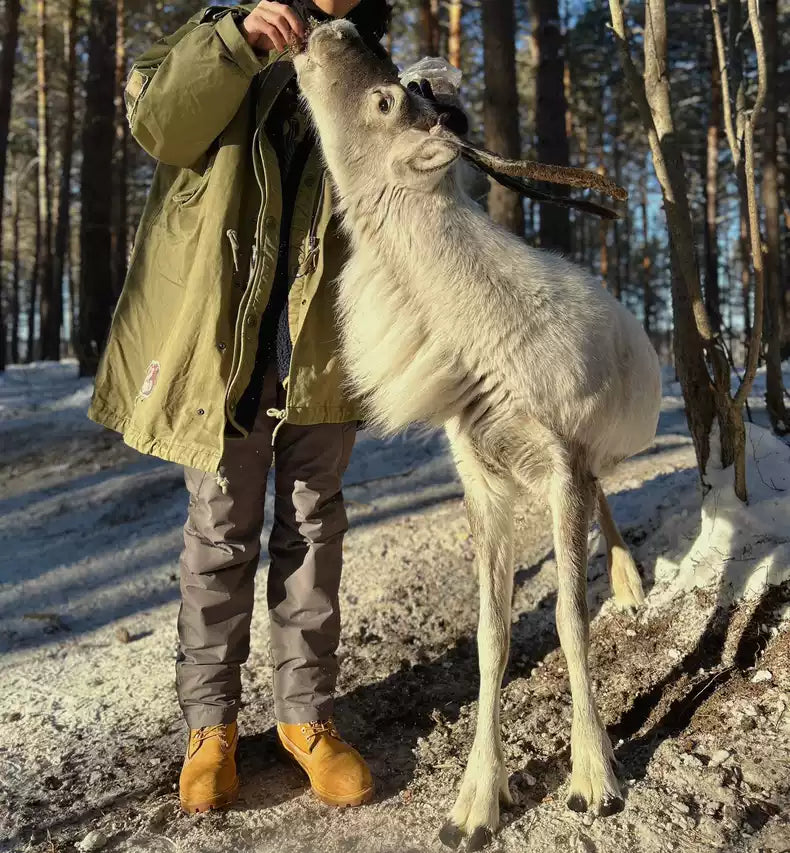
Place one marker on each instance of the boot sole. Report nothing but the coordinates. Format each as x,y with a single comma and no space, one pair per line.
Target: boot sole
221,801
358,799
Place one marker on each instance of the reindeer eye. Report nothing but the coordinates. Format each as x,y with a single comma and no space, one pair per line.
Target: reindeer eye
385,103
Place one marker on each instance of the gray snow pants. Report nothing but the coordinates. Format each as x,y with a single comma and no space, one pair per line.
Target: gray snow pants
220,557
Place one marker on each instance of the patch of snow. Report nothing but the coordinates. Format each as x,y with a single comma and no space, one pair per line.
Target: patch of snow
762,675
741,548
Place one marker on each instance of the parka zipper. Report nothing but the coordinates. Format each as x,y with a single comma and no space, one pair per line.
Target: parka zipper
309,264
294,178
257,169
222,481
311,258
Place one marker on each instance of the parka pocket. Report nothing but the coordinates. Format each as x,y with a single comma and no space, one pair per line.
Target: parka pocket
180,226
184,199
191,196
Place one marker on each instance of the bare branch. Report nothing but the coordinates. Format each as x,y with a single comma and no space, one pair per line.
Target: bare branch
751,198
759,48
735,35
729,125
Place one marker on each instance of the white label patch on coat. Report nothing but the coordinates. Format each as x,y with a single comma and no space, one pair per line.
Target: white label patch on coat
151,377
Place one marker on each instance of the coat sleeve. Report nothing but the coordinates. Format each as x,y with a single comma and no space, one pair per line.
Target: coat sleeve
183,92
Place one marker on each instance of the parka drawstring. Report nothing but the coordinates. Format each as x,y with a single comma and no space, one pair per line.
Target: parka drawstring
280,415
223,482
233,238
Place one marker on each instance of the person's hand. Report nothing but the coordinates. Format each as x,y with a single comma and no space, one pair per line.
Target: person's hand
451,116
272,26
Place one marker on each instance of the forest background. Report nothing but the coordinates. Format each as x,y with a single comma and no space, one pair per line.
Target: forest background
578,82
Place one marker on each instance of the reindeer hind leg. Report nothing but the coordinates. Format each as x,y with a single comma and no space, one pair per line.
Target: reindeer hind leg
623,574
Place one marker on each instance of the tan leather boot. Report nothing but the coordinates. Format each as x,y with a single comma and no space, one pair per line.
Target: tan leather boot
208,777
337,772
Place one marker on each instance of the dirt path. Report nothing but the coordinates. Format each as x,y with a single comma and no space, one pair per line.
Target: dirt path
91,736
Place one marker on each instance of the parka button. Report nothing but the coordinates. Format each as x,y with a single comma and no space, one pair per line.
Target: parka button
201,411
250,320
270,222
221,346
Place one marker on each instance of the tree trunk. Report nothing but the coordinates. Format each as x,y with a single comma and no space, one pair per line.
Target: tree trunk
500,105
30,354
7,66
603,235
784,254
550,116
122,154
16,304
617,270
456,12
711,237
692,330
617,278
50,299
429,28
775,392
95,292
73,285
743,252
647,285
582,221
62,229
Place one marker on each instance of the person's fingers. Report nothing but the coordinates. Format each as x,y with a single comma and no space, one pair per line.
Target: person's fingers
275,36
253,27
296,23
275,18
268,37
267,31
273,26
454,119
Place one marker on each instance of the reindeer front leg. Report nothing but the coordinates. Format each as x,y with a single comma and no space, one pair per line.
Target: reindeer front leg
489,502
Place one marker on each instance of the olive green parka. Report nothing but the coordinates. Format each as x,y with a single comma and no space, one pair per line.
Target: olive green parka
184,335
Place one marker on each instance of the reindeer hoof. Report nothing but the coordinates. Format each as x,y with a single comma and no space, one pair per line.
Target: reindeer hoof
475,815
594,784
451,835
479,839
610,806
577,803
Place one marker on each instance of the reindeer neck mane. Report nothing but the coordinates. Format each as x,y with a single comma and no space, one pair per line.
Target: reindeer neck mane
397,219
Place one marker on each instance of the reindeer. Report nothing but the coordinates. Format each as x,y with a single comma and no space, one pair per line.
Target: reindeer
540,378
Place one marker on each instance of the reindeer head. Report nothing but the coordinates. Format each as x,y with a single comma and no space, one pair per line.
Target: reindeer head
373,131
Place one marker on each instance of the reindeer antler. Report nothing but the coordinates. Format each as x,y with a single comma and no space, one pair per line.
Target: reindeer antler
514,173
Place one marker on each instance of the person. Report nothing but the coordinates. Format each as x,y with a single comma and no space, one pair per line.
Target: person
223,357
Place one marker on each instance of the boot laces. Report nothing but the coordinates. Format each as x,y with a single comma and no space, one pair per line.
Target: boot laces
318,728
208,732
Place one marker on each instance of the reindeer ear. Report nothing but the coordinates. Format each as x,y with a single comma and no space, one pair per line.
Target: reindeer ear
432,154
421,159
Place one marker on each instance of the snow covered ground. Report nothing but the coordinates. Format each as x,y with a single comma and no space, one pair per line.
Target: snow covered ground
695,690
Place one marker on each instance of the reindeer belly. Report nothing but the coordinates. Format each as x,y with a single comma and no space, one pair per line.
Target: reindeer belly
626,422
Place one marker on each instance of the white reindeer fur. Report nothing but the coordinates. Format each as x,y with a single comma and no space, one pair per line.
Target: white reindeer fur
539,376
